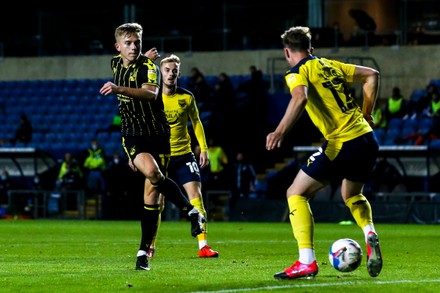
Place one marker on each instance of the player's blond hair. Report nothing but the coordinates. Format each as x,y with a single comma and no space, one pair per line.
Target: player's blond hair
171,58
297,38
127,29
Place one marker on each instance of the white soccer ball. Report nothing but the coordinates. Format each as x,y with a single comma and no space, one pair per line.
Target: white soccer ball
345,255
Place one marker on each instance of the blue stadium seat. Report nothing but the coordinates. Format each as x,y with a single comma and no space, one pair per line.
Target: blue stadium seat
112,147
380,134
211,80
391,135
435,144
425,123
38,137
417,94
103,137
435,82
407,131
410,125
237,80
395,123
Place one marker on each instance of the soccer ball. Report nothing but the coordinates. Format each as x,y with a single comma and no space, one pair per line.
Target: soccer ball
345,255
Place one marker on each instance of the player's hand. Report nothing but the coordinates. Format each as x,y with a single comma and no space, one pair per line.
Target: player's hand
153,54
274,140
108,88
204,160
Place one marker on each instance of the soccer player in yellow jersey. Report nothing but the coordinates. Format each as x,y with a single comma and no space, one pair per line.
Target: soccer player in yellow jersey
145,132
349,152
181,108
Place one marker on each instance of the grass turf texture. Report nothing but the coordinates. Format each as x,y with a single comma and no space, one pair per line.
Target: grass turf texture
99,256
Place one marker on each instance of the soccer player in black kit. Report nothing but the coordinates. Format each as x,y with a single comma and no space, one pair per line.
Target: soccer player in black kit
145,132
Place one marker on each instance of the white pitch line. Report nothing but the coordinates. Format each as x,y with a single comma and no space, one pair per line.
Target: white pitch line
299,286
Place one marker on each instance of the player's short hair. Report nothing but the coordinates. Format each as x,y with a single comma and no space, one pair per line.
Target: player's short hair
171,58
297,38
127,29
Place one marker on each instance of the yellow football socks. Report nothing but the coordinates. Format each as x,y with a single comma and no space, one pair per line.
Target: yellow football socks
360,208
301,219
202,237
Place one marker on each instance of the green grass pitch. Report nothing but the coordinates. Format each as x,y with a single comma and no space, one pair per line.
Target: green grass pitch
99,256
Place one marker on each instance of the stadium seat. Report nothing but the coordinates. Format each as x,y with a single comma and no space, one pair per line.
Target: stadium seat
395,123
435,82
417,94
410,125
38,137
435,144
407,131
380,134
391,136
425,123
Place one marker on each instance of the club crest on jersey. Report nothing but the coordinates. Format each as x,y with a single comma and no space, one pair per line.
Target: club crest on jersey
132,151
152,74
182,103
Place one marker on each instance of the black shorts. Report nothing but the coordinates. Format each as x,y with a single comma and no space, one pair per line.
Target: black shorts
354,161
158,147
184,169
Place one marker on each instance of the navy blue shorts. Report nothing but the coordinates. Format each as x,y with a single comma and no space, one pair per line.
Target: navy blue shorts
184,169
353,160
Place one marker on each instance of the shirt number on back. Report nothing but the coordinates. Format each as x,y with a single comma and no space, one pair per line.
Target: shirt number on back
331,85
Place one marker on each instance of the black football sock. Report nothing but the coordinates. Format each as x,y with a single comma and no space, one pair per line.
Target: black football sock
172,192
149,218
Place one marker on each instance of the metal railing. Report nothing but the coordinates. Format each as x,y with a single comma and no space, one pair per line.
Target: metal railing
65,204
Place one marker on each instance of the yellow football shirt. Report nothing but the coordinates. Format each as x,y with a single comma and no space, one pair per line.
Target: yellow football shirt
180,109
330,104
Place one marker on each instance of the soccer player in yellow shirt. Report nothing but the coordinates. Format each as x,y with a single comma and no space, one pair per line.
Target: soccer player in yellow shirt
180,109
349,152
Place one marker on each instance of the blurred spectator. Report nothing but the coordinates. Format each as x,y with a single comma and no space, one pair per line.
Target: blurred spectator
432,133
243,180
218,162
251,116
425,102
5,186
70,176
338,36
417,36
379,116
23,133
94,165
222,99
255,85
199,87
224,92
396,106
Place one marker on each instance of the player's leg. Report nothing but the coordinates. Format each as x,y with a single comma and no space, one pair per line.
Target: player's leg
193,189
360,159
361,211
152,248
147,164
302,222
149,224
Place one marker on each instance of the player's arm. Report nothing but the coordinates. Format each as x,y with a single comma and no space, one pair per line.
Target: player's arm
293,112
146,92
199,132
370,79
